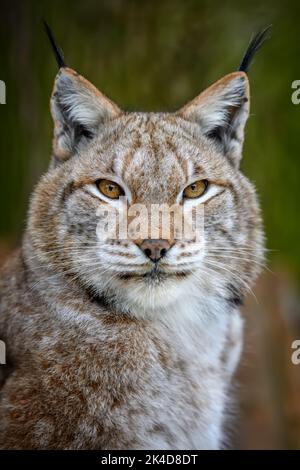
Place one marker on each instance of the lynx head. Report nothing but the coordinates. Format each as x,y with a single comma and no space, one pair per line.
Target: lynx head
185,159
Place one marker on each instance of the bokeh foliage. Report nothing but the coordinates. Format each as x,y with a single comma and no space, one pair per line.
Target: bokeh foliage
154,55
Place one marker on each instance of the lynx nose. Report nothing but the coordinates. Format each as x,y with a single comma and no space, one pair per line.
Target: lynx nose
155,249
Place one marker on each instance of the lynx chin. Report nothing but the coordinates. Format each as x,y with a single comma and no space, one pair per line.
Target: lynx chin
130,343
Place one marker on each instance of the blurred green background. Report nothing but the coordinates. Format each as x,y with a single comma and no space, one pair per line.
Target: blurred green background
156,55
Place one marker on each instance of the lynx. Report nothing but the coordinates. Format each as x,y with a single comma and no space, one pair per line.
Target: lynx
131,343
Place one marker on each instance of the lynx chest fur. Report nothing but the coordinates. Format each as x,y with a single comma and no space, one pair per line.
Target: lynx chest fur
86,378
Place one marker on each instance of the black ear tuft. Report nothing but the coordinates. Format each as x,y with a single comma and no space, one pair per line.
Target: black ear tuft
59,55
253,47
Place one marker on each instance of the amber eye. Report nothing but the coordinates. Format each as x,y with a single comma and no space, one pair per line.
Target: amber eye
195,189
110,189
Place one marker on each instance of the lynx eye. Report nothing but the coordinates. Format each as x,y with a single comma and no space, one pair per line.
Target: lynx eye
195,189
110,189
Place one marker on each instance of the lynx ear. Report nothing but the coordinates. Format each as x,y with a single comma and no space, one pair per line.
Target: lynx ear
78,110
222,111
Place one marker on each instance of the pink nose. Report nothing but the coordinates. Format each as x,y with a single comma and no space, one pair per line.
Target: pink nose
155,249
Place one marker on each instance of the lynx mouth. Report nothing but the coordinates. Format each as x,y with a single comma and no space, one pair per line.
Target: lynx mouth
155,275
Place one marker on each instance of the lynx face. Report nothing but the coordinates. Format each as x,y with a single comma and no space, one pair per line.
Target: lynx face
185,159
